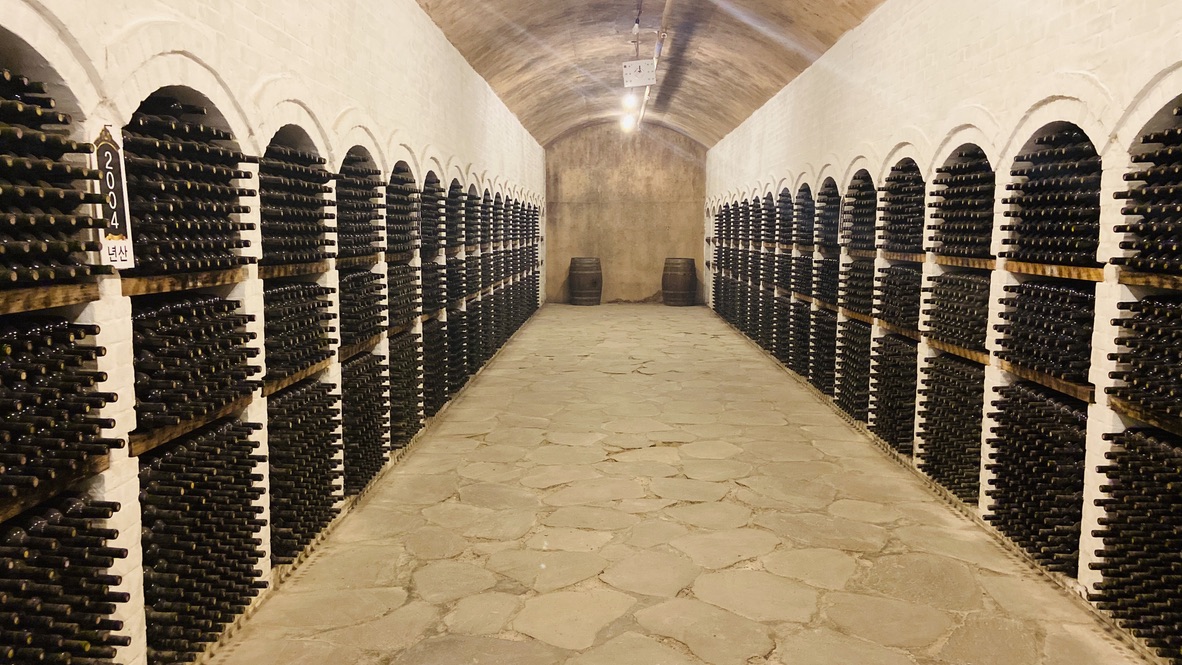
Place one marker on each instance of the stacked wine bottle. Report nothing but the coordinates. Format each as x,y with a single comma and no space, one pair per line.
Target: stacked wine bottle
292,186
457,350
826,277
828,215
191,357
434,366
1139,557
962,218
782,329
1056,219
365,416
478,343
857,219
801,278
896,300
803,218
902,209
1154,203
57,603
1149,357
799,329
359,206
952,391
46,214
202,536
893,377
958,310
1037,468
298,318
303,450
181,188
1048,327
431,218
402,215
853,369
405,396
363,305
473,222
857,286
404,294
822,355
49,402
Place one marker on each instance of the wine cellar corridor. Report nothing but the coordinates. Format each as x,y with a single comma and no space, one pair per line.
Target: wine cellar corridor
438,332
622,476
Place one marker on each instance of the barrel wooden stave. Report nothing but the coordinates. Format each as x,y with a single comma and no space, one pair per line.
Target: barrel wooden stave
586,280
679,282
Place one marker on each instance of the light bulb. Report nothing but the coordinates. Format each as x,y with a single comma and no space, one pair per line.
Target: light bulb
628,122
630,101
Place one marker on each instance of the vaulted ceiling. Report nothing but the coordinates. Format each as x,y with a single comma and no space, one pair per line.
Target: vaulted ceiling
557,63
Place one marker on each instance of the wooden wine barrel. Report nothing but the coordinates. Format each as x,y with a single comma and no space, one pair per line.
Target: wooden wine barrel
679,284
586,280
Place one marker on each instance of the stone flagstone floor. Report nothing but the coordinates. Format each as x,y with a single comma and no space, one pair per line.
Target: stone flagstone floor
638,485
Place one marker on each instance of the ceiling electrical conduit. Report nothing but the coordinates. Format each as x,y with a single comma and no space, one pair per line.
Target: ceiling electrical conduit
662,37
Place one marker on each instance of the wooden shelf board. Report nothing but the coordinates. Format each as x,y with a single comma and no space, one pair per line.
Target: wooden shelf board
890,327
1061,272
146,441
348,352
292,269
824,305
979,357
802,297
366,261
1085,392
805,249
1161,421
1160,281
401,328
46,490
13,301
139,286
857,316
965,262
862,253
401,257
913,257
272,387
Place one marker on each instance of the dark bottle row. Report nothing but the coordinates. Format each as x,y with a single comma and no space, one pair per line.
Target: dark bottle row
951,393
858,212
302,451
57,605
958,308
1148,366
44,190
896,301
1139,555
365,386
902,209
402,213
856,282
962,219
1048,327
405,396
823,350
182,190
1153,202
293,186
49,402
892,403
435,392
360,206
363,305
191,357
1055,210
853,369
298,318
202,537
1036,472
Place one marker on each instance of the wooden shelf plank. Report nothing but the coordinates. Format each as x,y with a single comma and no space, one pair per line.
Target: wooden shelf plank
1156,280
141,443
913,257
805,249
348,352
890,327
400,257
139,286
965,262
824,305
13,301
365,261
857,316
272,387
862,253
46,490
401,328
1061,272
292,269
1085,392
979,357
1170,424
802,297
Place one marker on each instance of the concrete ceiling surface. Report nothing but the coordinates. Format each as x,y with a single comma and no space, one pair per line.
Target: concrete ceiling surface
557,63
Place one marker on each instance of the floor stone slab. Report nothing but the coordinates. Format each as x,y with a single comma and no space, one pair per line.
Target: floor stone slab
757,595
483,614
719,549
714,635
446,581
652,573
632,649
571,619
887,622
546,571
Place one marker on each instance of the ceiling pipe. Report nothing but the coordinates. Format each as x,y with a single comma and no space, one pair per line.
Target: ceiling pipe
662,37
